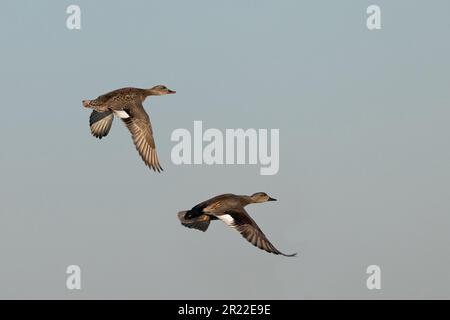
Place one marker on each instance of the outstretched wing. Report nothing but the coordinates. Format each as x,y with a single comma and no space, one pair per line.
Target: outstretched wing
138,122
240,220
100,123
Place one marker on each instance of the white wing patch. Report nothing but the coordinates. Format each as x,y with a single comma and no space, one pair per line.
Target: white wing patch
121,114
227,219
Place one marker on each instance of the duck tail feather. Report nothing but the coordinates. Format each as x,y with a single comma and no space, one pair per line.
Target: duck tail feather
200,223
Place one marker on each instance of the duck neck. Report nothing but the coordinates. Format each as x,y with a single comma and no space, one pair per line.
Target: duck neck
149,92
245,200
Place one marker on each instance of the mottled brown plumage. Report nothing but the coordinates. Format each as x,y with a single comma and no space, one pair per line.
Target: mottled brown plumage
230,209
126,103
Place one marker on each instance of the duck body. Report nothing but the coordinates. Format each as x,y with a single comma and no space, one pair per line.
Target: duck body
216,205
126,104
115,99
229,208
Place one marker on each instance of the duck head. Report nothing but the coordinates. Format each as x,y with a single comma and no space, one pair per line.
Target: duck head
160,90
261,197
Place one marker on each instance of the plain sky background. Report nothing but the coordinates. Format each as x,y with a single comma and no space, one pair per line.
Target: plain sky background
364,148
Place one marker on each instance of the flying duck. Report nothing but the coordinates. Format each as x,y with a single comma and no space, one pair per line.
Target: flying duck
230,209
126,103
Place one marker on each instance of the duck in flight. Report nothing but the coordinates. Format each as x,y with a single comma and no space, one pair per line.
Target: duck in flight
126,103
230,209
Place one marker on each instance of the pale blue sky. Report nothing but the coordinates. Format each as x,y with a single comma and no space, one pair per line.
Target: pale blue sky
364,148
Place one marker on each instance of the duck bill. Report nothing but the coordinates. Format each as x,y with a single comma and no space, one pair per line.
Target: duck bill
272,199
86,103
171,91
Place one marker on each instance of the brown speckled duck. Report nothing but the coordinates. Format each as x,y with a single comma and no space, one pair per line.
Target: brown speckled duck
126,103
229,208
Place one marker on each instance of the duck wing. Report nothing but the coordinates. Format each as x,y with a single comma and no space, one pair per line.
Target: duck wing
240,220
100,123
138,123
